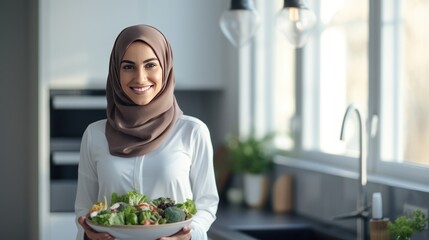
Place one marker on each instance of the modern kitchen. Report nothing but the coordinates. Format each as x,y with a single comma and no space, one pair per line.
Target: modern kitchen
337,86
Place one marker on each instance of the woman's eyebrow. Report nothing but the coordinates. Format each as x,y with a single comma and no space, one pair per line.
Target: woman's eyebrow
150,59
145,61
127,61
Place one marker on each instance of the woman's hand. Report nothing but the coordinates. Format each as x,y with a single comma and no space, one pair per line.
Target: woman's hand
184,234
91,234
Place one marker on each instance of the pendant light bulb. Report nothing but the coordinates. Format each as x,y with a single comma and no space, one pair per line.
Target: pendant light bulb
296,21
240,22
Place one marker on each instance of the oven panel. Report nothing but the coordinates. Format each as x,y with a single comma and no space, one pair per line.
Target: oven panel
71,111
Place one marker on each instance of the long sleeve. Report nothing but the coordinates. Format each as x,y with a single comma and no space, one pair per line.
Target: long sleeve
203,184
87,186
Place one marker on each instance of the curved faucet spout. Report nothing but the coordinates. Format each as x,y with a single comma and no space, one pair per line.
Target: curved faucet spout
362,153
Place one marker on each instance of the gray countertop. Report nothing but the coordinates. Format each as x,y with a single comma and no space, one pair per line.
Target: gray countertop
232,220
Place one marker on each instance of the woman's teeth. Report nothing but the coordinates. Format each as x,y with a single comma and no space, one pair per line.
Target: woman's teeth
141,89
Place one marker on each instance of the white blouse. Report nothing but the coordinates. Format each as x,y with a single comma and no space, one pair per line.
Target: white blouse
181,168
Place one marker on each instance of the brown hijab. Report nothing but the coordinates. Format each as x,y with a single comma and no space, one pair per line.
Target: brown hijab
131,129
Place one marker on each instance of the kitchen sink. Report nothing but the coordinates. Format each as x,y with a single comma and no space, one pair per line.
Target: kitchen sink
306,233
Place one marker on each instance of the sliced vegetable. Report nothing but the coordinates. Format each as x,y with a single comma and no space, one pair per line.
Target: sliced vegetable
163,202
131,219
132,198
99,206
174,214
188,206
109,218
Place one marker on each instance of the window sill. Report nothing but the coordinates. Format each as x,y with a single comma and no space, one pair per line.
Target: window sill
336,171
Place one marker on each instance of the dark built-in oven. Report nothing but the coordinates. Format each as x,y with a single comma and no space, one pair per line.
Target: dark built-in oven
71,111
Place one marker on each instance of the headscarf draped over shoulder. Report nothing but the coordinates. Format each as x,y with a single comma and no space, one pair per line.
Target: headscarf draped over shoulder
131,129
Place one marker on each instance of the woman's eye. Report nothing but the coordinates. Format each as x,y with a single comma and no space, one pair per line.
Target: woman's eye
127,67
150,65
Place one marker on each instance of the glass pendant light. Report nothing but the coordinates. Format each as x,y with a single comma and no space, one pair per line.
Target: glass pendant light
240,22
296,21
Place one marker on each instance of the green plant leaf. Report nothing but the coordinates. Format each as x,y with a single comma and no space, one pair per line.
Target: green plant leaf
250,155
404,227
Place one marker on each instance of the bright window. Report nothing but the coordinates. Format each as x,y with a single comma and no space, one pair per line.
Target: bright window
335,73
405,86
373,54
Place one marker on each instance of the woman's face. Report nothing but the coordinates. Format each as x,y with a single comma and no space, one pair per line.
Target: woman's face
140,73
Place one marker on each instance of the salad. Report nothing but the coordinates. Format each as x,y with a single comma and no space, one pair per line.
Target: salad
134,208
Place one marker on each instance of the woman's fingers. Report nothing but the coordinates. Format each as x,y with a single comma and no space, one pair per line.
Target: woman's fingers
84,225
184,234
186,229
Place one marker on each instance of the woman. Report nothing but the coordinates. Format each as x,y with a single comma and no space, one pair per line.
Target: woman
146,144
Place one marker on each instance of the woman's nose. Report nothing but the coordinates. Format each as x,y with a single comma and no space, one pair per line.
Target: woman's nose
141,75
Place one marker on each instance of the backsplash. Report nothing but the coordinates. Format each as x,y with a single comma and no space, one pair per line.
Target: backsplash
322,196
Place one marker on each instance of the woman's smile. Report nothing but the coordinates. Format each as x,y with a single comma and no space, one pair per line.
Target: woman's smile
141,90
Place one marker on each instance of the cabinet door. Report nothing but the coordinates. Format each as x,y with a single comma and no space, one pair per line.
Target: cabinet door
192,26
77,37
62,226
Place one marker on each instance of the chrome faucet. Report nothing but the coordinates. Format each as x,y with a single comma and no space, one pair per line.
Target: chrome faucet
361,212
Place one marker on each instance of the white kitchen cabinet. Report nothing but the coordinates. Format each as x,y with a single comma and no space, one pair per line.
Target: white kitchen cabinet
77,37
63,226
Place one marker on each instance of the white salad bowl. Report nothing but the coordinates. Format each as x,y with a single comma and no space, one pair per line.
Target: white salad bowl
138,232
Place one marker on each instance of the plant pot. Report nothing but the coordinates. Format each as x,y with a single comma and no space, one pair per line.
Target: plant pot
255,189
235,191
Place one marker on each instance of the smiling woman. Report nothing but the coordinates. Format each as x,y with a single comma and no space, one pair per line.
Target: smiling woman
145,135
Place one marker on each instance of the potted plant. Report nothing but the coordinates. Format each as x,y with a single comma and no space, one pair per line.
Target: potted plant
404,227
251,158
